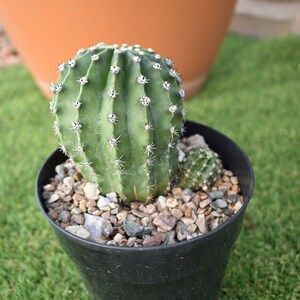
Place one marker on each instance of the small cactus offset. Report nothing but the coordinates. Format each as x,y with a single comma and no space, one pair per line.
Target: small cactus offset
200,168
118,114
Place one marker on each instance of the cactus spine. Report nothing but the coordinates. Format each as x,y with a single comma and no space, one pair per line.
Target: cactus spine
118,114
200,168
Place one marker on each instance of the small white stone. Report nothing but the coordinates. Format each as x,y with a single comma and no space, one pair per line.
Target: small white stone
69,181
171,202
118,237
53,198
161,203
83,233
91,190
112,197
102,201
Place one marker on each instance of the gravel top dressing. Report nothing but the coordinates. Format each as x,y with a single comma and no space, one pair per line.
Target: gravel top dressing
178,215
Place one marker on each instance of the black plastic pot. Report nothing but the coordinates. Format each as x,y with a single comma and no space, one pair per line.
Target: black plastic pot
191,269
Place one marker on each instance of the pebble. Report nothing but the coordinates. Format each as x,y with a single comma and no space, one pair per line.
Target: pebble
165,221
121,216
75,211
234,180
219,203
232,198
177,193
60,169
53,214
215,223
205,203
91,203
171,202
139,213
49,187
118,237
196,199
216,194
188,221
91,191
235,188
237,206
131,241
161,203
53,198
64,216
187,194
188,212
177,213
150,209
102,201
69,182
201,223
196,140
181,231
134,229
96,225
79,231
82,205
152,241
112,197
170,238
83,233
79,219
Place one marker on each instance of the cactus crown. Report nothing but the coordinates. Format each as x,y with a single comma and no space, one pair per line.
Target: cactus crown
118,114
200,168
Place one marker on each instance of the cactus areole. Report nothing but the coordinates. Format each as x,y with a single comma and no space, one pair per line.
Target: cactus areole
118,114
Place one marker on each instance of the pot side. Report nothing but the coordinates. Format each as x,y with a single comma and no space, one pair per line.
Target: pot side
191,269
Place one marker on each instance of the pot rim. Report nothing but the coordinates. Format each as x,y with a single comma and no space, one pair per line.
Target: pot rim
200,238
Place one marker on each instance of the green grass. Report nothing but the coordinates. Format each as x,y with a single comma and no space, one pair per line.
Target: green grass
252,95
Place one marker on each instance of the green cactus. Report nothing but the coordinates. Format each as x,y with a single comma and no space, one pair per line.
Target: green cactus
200,168
119,114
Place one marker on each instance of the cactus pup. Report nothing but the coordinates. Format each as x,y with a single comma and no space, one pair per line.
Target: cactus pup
118,114
200,168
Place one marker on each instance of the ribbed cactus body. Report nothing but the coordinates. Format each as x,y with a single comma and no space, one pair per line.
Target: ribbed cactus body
119,115
200,168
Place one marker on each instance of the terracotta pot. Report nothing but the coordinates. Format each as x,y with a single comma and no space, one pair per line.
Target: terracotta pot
47,32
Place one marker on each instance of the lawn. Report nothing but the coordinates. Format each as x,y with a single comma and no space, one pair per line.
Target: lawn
252,95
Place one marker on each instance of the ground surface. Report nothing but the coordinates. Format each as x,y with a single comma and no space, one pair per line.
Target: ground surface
252,95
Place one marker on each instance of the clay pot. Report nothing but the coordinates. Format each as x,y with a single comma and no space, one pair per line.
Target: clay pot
47,32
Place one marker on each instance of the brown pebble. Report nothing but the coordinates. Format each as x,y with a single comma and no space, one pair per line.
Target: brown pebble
226,179
77,197
203,196
152,241
79,219
77,176
188,212
150,209
82,205
218,182
67,198
196,199
235,188
123,242
91,203
165,222
177,193
53,215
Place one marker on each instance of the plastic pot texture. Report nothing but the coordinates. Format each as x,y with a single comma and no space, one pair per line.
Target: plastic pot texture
46,32
191,269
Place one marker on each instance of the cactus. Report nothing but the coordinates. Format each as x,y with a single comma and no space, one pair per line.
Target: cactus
118,114
200,168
